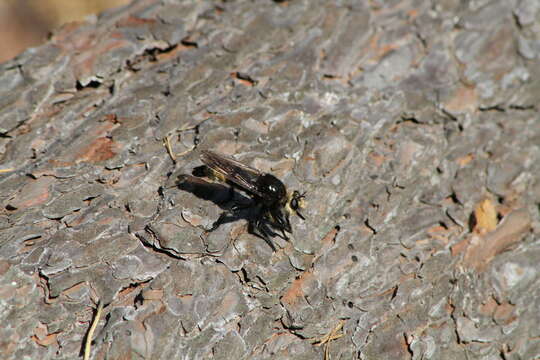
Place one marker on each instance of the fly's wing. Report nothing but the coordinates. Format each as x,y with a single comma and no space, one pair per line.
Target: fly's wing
234,171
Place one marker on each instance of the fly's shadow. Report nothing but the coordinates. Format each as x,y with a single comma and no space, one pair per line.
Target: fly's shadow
235,204
220,194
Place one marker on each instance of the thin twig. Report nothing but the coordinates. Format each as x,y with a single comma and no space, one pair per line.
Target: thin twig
172,155
167,144
88,344
332,335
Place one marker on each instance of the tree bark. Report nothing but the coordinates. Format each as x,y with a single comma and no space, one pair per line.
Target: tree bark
413,127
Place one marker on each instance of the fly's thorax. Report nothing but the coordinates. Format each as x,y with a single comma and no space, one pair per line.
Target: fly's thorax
272,189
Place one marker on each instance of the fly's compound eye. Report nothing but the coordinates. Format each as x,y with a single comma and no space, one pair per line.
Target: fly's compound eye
294,203
297,202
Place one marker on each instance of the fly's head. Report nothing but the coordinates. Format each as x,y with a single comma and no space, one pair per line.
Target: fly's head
296,203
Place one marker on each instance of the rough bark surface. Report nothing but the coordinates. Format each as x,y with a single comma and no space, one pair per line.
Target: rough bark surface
412,125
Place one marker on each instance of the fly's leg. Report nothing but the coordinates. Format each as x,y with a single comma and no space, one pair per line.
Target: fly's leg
223,219
280,221
240,207
285,237
232,214
259,229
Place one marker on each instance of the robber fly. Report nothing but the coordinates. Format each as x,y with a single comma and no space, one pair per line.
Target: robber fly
272,204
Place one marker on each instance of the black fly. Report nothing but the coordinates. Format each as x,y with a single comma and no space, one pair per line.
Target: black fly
272,204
